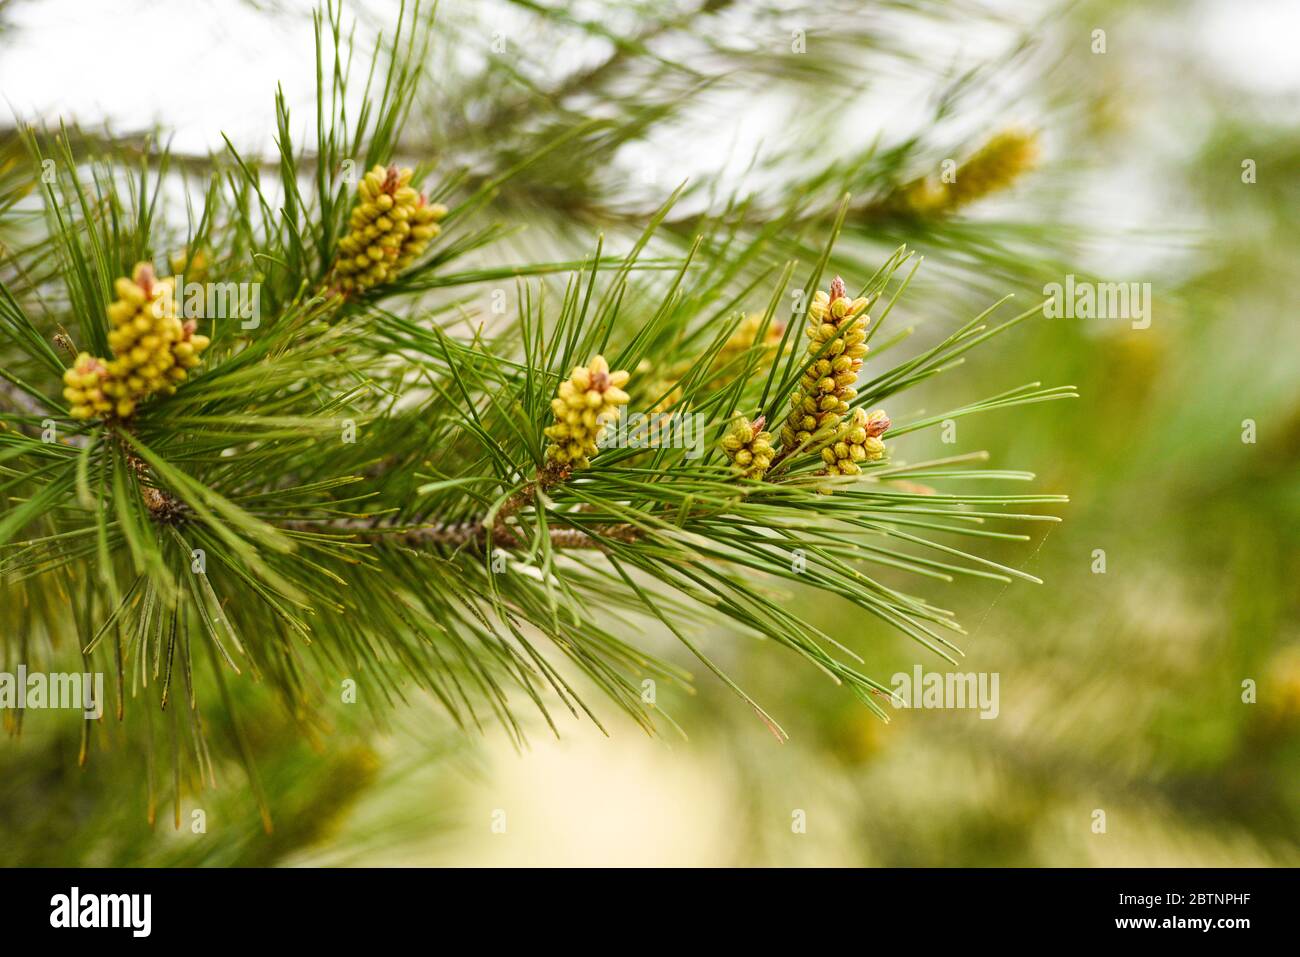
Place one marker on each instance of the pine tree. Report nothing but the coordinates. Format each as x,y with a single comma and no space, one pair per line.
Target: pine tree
361,480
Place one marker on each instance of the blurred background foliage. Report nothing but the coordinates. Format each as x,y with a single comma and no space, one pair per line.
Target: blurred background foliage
1121,692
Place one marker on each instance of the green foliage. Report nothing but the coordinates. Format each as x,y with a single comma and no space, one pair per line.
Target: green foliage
356,488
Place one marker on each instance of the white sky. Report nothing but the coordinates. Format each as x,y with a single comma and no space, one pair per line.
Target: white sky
200,67
193,67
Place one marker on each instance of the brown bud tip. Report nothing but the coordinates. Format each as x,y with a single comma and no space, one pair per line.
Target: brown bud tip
189,327
144,278
600,381
390,181
878,426
758,423
837,288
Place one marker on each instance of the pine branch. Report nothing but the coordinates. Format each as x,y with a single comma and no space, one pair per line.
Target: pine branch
324,493
474,534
